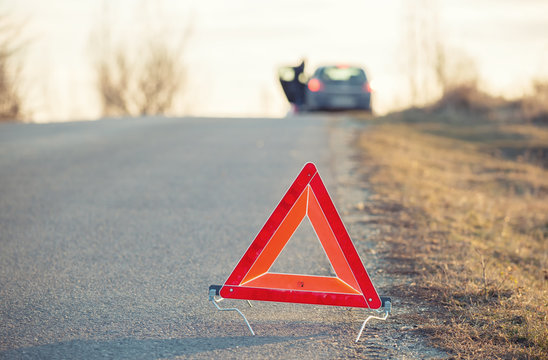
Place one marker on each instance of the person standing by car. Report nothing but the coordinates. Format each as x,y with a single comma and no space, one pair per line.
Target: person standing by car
300,84
293,81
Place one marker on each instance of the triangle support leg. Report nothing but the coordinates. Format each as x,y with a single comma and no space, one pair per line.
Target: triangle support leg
387,307
213,292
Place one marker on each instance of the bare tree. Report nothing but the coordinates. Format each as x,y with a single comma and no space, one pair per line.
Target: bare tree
440,66
433,70
11,101
113,84
418,46
455,71
145,84
159,81
412,52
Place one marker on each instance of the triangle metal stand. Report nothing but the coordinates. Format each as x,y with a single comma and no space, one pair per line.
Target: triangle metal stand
215,298
386,308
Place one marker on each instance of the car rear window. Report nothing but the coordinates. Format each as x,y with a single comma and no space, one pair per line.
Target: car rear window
350,74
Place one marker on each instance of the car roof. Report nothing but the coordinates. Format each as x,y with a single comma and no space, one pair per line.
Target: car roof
340,66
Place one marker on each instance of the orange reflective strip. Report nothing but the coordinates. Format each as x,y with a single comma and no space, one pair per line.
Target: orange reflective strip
279,239
329,242
301,282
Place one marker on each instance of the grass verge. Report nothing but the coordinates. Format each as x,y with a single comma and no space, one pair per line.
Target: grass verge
464,198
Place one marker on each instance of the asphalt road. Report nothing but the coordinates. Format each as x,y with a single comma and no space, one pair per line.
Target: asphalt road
111,232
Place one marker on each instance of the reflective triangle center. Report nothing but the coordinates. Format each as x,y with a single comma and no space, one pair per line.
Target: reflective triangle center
303,254
306,205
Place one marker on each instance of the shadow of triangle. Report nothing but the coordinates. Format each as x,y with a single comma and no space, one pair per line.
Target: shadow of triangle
129,348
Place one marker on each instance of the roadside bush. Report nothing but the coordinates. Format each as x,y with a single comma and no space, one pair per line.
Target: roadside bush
535,106
466,97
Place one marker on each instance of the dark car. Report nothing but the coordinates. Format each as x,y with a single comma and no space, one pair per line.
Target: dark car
336,87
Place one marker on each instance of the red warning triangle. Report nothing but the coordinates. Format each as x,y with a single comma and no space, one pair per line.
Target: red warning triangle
251,279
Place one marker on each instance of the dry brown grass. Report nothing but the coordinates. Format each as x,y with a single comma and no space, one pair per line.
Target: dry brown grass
469,223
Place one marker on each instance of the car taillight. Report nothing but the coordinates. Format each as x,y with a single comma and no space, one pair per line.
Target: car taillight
367,87
315,85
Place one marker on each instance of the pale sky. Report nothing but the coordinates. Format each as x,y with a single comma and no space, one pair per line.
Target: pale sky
236,47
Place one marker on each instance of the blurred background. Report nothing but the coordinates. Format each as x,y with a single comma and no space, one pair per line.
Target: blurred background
64,60
104,223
